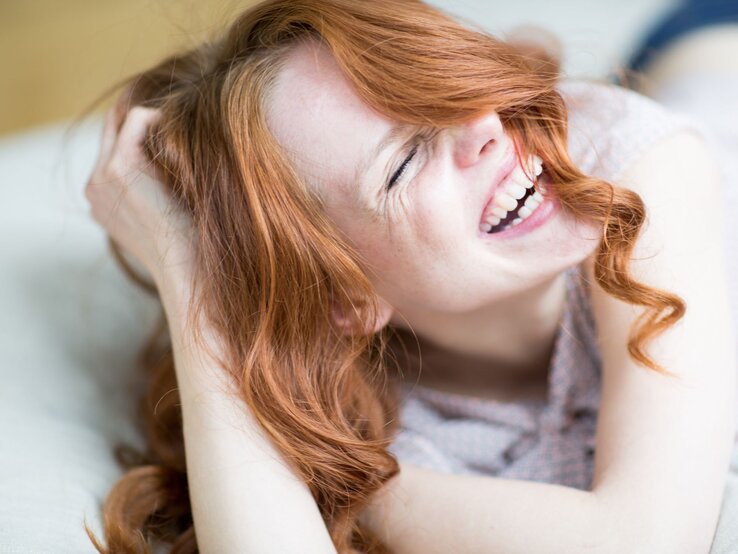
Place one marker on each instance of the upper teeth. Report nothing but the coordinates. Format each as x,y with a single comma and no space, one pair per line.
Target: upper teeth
506,199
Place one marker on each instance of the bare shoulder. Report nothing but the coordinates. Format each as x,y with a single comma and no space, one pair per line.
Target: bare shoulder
681,246
684,149
676,178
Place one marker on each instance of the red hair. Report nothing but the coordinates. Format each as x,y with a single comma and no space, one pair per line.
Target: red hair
275,264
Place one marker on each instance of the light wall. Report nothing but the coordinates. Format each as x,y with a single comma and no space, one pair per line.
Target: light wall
58,56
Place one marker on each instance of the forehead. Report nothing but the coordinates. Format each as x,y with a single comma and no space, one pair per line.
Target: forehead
316,116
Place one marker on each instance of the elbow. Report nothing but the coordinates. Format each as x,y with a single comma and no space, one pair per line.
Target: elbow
678,541
617,541
668,545
620,534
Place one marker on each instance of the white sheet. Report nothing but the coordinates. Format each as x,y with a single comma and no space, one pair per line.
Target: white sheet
70,324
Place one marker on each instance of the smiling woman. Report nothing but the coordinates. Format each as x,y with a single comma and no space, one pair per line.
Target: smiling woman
337,176
430,218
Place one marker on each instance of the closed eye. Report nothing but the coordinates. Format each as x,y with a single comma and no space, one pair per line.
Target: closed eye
401,170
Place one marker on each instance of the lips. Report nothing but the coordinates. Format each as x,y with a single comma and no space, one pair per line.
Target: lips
505,171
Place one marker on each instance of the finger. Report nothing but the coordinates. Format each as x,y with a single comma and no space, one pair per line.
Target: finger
123,106
107,141
110,141
133,133
107,144
111,126
137,122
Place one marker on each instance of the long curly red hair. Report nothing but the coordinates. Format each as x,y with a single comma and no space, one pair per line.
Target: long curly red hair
275,264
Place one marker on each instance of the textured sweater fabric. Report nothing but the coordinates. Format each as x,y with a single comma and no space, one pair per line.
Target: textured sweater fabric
551,441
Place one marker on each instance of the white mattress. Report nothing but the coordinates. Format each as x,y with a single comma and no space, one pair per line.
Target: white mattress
70,323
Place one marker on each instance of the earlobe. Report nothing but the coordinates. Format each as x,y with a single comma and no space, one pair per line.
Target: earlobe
383,316
348,326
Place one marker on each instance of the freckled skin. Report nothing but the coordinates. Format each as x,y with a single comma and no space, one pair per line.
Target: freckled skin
481,298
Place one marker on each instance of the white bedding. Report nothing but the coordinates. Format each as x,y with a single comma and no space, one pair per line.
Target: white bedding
70,325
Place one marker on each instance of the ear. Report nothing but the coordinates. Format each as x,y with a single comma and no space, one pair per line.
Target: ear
348,326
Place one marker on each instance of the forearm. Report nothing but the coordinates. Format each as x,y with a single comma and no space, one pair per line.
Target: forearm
430,512
244,497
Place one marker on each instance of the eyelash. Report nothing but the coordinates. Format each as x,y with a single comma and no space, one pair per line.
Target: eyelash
401,170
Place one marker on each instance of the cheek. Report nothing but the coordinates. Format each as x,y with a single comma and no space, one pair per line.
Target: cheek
390,257
414,236
436,229
379,252
368,236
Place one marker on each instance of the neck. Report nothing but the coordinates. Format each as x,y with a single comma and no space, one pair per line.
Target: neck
509,340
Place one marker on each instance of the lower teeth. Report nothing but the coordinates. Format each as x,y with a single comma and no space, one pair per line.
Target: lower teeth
505,223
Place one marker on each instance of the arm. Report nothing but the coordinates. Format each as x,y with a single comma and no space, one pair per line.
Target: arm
662,447
427,512
244,497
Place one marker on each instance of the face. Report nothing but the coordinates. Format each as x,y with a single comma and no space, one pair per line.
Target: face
422,237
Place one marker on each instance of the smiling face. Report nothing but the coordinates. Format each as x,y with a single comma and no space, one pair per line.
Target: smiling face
421,237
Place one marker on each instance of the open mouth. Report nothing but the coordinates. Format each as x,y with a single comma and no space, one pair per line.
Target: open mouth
516,199
522,211
513,215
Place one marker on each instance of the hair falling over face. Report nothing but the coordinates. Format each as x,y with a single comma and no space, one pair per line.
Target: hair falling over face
283,256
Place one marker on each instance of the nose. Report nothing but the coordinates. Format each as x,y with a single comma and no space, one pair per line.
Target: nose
479,138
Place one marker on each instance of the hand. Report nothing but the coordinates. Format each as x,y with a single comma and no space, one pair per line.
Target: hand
129,200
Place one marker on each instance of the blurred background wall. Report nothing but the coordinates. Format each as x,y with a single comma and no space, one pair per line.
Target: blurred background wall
58,56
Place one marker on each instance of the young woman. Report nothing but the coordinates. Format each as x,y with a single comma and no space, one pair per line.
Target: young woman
422,295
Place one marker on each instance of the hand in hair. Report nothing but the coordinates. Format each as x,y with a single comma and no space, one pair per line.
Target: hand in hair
129,200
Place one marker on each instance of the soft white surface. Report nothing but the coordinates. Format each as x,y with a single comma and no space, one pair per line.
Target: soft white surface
71,323
70,326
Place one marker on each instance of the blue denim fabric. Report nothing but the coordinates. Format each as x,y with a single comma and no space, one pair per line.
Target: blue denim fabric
686,17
